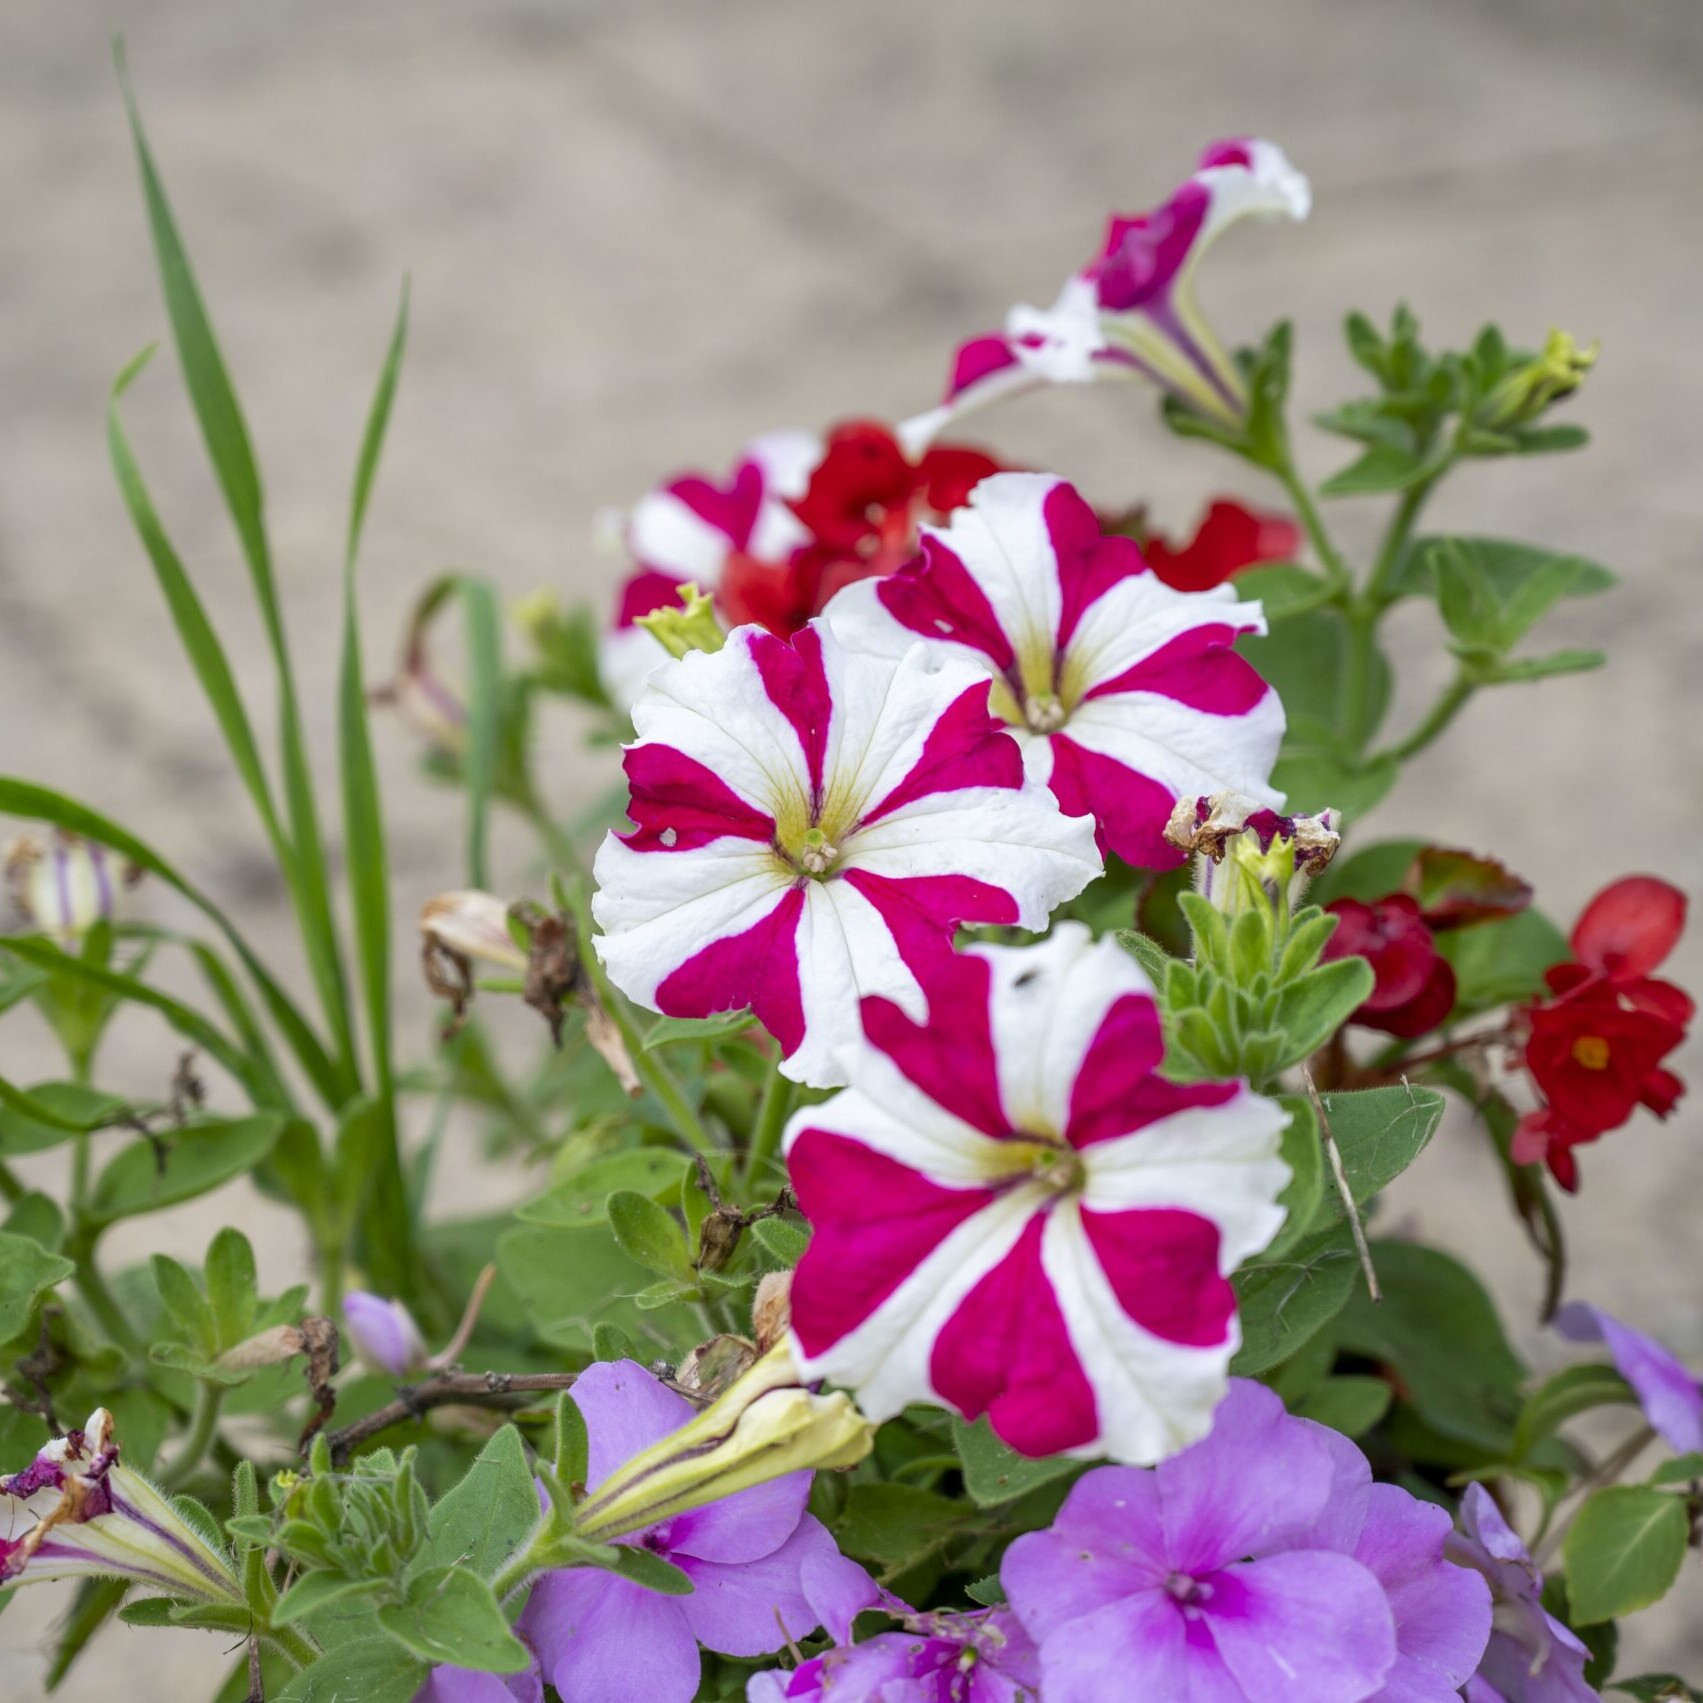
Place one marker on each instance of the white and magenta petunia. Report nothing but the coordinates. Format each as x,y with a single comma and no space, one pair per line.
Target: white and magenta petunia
1131,311
1124,694
1014,1215
812,826
727,538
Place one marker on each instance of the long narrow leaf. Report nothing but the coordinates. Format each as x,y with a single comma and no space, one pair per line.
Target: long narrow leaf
387,1237
188,1022
225,434
36,803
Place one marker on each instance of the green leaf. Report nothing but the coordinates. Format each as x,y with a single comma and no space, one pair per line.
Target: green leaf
484,716
1284,1302
1658,1688
1505,565
989,1592
782,1240
450,1615
582,1199
1523,669
891,1523
225,435
1351,1404
572,1448
1623,1551
1369,873
675,1031
1282,589
1379,1132
484,1518
1305,1158
51,1112
1313,1007
316,1590
1498,962
1317,780
569,1281
1437,1329
365,1670
646,1568
1682,1469
649,1234
26,1270
994,1473
1383,467
233,1287
1576,1390
195,1160
181,1296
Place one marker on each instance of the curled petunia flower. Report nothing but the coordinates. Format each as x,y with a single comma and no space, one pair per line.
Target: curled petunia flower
812,825
1666,1390
1131,312
1124,694
1014,1215
763,1570
1531,1657
727,538
1414,986
383,1334
1228,539
64,884
938,1658
1248,855
75,1511
1209,1576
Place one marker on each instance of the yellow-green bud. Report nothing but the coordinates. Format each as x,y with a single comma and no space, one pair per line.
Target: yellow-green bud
692,626
1531,390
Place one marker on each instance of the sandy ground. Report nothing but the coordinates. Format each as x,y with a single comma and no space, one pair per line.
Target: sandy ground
641,233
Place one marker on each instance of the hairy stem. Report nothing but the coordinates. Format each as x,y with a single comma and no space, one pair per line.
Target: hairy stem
1448,705
209,1399
1312,523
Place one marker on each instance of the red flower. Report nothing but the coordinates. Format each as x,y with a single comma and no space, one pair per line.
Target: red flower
1595,1049
1414,987
1228,539
864,503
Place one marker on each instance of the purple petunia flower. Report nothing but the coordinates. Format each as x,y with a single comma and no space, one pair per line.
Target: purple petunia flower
383,1333
469,1685
1531,1656
1669,1395
763,1570
1261,1564
940,1658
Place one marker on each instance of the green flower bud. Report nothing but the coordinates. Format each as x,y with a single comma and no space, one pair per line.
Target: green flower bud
1531,390
693,626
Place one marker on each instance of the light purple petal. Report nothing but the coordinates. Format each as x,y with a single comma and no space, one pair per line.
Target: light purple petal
383,1333
1305,1627
1139,1647
1670,1396
744,1527
837,1589
602,1639
772,1687
752,1607
1508,1673
1255,1483
1442,1612
466,1685
625,1410
1343,1516
1055,1577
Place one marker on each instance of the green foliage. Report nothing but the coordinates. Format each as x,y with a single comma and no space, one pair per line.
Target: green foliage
1623,1551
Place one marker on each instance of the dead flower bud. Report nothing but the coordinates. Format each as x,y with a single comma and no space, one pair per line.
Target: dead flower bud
712,1366
771,1310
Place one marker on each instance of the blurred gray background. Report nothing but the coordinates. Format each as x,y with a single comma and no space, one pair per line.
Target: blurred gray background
640,233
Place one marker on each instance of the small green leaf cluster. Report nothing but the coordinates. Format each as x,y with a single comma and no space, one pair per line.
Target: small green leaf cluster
209,1316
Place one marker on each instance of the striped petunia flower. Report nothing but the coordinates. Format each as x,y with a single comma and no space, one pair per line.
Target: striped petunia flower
63,883
729,538
1015,1215
1124,694
1131,311
811,827
76,1511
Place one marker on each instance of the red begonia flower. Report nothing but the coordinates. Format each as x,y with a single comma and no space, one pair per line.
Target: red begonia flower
1228,539
1592,1052
1629,927
1414,988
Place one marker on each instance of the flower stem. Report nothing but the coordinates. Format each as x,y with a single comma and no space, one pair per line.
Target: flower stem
1444,711
100,1300
293,1643
1312,522
204,1427
771,1122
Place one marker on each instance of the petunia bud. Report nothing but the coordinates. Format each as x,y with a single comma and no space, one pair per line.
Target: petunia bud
64,884
471,925
423,700
691,626
384,1334
75,1511
767,1425
1246,855
1529,391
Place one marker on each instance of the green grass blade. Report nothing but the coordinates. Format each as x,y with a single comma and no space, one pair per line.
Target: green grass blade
484,718
188,1022
36,803
200,641
387,1231
225,435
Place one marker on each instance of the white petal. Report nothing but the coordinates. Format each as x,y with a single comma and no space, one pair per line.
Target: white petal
1153,1397
626,659
1019,841
1187,750
665,532
1219,1161
657,909
1046,1003
890,1115
1139,615
886,1359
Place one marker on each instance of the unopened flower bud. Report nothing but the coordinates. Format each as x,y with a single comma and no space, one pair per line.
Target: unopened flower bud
766,1425
423,700
384,1334
75,1511
1531,390
472,925
691,626
266,1348
63,883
